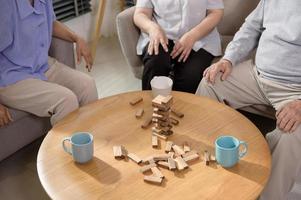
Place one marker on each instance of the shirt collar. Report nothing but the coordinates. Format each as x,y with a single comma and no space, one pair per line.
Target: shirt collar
25,9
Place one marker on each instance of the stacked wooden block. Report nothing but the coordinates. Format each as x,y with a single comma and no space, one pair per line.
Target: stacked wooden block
161,115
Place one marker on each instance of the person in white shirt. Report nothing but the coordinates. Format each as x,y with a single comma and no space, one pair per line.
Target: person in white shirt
178,35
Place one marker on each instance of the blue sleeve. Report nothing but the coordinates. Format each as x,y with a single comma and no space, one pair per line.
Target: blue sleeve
6,25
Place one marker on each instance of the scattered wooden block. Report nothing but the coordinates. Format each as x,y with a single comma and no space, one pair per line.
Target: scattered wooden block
136,101
163,164
163,137
171,154
186,147
168,146
119,152
178,150
147,167
189,153
174,121
192,157
147,123
139,113
149,159
161,157
181,164
212,158
156,130
171,164
177,113
154,141
206,157
157,172
134,158
153,179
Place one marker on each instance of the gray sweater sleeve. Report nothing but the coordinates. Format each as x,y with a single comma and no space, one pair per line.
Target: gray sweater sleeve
247,38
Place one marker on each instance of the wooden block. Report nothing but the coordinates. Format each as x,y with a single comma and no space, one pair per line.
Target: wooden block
149,159
167,133
163,164
181,164
136,101
119,152
178,150
161,117
186,147
156,130
171,164
157,172
167,129
171,154
212,158
168,100
154,141
160,112
161,157
163,137
139,113
134,158
206,157
191,157
168,146
177,113
153,179
189,153
174,121
147,167
147,123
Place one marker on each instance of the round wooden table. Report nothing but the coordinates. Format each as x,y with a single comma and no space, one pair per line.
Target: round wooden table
112,122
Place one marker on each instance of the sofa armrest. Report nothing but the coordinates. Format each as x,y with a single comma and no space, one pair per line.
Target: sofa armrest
63,51
128,35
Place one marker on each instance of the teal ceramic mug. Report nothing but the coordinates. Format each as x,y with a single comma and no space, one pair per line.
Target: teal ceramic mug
81,146
227,150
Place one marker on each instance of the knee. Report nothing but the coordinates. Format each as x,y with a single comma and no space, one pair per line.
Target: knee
88,90
69,101
203,87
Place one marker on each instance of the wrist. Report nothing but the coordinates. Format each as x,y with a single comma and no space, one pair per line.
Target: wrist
226,61
74,38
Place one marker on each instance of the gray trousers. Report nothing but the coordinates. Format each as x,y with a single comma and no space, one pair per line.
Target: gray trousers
65,90
245,87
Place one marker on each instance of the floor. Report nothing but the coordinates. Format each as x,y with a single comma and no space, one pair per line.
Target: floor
18,173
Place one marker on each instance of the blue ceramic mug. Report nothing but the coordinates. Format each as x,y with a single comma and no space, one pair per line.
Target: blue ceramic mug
81,146
227,151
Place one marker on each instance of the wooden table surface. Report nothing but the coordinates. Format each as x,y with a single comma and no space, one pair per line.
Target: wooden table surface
112,122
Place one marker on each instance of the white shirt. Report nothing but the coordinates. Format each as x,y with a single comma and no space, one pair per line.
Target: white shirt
177,17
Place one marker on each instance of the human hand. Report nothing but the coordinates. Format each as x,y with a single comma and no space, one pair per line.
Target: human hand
157,36
223,66
289,116
183,47
82,50
5,117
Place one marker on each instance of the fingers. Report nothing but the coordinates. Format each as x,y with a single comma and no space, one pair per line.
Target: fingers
156,47
184,56
1,123
164,44
78,55
150,48
178,49
226,73
206,71
295,126
289,125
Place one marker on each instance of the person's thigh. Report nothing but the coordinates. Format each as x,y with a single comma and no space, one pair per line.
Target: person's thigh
155,65
188,75
286,163
80,83
40,98
241,88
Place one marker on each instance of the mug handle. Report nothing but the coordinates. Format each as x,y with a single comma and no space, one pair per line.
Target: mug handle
245,150
64,146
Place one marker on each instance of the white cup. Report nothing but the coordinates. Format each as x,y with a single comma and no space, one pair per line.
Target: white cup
161,85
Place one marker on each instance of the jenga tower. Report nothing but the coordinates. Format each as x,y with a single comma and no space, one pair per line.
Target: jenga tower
162,106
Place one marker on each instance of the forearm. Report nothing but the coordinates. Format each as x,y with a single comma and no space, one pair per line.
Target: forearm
207,24
143,20
63,32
